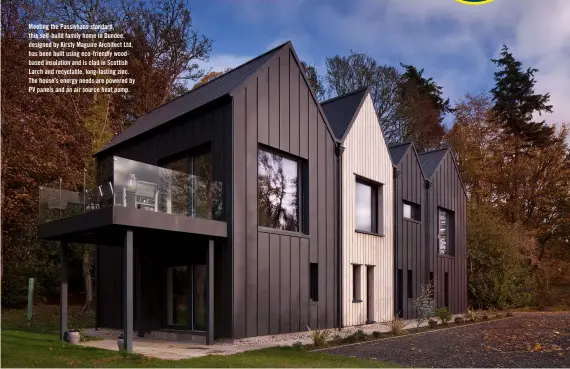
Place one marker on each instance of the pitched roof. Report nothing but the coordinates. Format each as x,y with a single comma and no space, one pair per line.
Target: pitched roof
397,151
430,161
208,92
341,111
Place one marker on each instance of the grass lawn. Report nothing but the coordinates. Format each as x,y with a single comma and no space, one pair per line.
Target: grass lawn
37,345
28,349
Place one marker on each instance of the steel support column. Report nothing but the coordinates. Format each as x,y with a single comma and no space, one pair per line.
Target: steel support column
210,294
128,292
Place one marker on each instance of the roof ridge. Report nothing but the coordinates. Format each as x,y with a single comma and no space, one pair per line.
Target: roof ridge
218,77
399,144
344,95
434,150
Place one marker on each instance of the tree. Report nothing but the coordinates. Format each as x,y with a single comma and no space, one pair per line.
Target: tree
358,70
164,56
315,80
515,101
421,109
210,76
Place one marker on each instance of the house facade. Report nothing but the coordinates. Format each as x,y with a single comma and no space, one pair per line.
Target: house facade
446,241
214,215
430,229
366,210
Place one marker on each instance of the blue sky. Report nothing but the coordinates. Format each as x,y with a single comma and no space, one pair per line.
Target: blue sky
451,41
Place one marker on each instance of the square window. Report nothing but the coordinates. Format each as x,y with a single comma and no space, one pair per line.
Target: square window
412,211
278,187
445,235
367,206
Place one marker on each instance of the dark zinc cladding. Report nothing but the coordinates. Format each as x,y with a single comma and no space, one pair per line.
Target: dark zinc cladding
278,191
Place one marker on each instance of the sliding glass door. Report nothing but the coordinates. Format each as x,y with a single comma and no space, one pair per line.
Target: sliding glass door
186,297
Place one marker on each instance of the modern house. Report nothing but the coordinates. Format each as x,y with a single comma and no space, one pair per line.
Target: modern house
366,210
246,208
215,215
430,229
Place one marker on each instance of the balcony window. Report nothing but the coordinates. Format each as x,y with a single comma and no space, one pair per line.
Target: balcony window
278,182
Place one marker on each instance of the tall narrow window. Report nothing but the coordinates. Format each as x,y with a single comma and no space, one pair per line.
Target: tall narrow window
368,207
356,283
412,211
445,232
410,285
314,282
278,191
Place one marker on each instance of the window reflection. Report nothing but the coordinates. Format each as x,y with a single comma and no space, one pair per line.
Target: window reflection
278,191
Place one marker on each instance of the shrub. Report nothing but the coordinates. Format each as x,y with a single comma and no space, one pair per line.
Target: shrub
424,304
319,336
509,314
396,325
298,344
472,314
376,334
432,323
459,320
500,272
337,337
485,316
360,335
444,315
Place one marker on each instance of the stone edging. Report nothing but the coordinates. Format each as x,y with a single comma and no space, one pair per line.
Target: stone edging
408,335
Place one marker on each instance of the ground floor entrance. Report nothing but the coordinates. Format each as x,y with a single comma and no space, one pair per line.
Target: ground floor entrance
186,297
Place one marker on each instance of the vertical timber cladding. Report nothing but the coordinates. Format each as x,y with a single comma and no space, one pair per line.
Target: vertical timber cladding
411,251
271,269
367,156
447,191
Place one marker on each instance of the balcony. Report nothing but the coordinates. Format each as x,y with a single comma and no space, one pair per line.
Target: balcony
134,194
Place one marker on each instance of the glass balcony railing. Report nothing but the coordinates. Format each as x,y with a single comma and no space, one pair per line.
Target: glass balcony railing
139,186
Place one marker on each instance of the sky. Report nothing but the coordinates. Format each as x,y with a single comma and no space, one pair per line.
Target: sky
453,42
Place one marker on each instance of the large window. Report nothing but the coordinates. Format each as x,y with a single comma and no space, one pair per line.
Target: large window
368,203
412,211
278,181
445,232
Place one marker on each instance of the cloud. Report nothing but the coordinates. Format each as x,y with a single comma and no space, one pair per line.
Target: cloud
220,62
455,42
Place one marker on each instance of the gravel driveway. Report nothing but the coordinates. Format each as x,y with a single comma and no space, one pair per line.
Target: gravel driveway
526,340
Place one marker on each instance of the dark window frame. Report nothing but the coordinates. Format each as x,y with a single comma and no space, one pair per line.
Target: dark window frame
356,283
415,211
449,233
377,205
302,191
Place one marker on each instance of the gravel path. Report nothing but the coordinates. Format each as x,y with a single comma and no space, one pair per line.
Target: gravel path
527,340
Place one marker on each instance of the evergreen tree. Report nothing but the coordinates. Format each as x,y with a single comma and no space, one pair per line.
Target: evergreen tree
413,78
515,101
